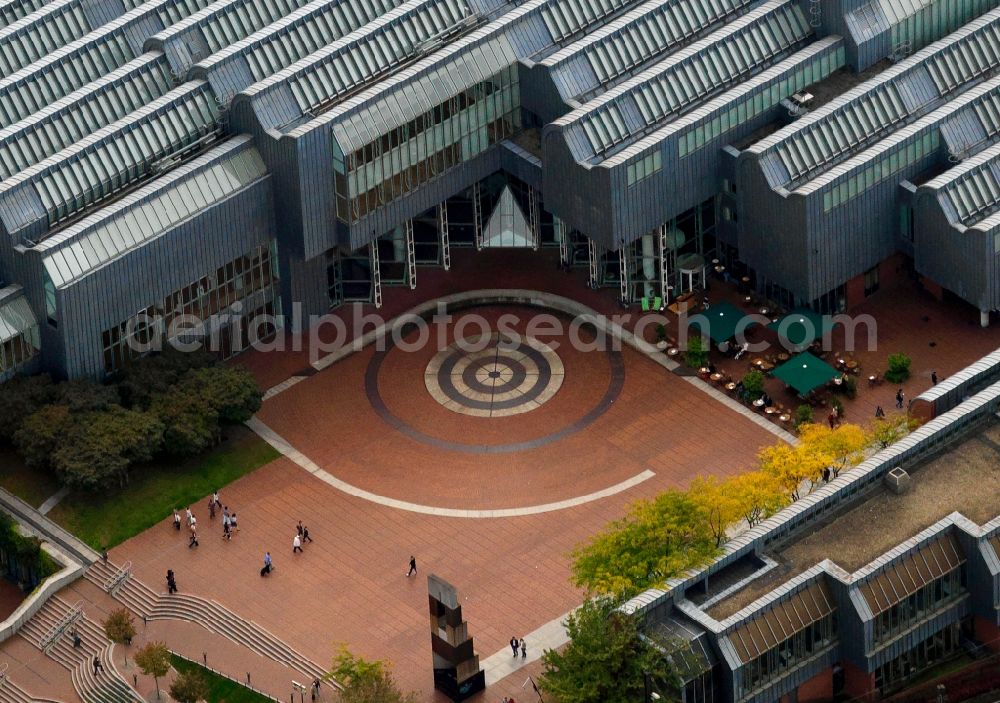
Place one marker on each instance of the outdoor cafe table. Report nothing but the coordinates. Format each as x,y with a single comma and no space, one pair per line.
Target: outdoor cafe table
759,403
716,376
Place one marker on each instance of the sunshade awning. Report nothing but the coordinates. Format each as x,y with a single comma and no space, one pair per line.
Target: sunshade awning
805,372
721,321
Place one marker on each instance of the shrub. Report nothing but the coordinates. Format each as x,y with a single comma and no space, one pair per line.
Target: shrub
189,687
661,333
803,415
753,384
696,355
898,368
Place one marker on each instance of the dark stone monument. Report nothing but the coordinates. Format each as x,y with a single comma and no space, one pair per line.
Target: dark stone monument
456,664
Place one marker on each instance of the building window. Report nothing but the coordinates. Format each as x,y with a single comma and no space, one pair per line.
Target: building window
934,649
453,132
919,605
787,654
871,280
50,299
248,278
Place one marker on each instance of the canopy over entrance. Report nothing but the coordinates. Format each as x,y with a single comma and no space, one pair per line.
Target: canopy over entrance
804,372
723,322
507,226
801,327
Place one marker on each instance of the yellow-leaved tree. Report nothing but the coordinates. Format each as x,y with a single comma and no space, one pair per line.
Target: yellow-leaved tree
758,494
792,466
844,446
656,540
719,503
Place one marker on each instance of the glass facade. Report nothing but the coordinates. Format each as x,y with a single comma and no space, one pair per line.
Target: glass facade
18,350
773,663
753,105
211,294
645,167
899,159
919,605
412,154
930,651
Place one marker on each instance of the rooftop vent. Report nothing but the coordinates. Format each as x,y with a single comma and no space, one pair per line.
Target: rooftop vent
897,480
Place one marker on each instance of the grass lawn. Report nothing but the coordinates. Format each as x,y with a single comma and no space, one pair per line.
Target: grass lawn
31,486
221,690
107,519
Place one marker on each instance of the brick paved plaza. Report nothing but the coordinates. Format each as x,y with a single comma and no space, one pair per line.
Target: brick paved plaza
512,573
379,466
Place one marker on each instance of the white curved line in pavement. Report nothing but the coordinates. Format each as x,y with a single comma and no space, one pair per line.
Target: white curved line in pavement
286,449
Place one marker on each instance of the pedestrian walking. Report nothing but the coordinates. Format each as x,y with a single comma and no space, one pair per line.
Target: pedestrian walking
171,582
76,638
188,515
97,665
232,523
934,378
104,555
211,509
177,520
832,419
267,564
514,644
296,544
879,412
524,649
193,542
413,567
215,498
826,475
227,532
305,534
299,528
899,398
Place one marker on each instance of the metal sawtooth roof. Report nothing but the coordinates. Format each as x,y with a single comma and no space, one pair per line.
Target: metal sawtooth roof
13,10
150,211
971,189
683,79
646,32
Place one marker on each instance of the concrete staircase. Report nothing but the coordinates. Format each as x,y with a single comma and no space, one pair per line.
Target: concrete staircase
108,687
145,602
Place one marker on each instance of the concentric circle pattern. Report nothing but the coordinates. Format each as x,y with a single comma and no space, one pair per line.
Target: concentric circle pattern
494,376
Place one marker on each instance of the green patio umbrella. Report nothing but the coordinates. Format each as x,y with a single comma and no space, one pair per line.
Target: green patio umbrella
721,321
804,372
801,327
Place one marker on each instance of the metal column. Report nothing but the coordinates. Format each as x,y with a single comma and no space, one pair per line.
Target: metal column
411,255
376,275
536,219
664,271
477,216
443,232
561,236
592,259
623,285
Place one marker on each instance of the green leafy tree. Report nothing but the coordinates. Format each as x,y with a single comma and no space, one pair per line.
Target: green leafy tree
898,368
40,434
156,374
119,626
366,681
99,447
154,660
189,687
84,395
20,397
231,391
656,540
190,423
605,661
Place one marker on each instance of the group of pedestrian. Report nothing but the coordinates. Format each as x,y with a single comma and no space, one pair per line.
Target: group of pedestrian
300,538
230,526
517,645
